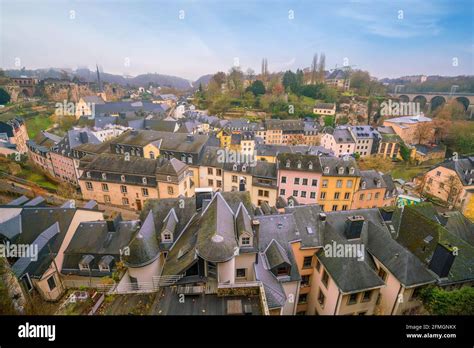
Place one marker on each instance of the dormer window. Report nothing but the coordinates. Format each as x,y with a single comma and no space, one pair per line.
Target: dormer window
245,240
244,168
104,176
168,178
166,237
288,163
310,166
144,181
152,155
190,159
363,185
298,164
183,158
88,174
122,178
341,170
352,170
379,184
234,167
326,170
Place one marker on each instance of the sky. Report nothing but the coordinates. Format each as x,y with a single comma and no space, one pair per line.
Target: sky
388,38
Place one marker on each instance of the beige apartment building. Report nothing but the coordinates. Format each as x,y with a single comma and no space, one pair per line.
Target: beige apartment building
116,180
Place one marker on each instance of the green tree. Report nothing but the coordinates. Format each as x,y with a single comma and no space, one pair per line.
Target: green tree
443,302
257,88
329,121
404,152
4,96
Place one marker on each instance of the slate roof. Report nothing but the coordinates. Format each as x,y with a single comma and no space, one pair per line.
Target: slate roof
144,248
216,241
334,163
276,255
371,178
210,157
274,292
123,107
299,162
416,223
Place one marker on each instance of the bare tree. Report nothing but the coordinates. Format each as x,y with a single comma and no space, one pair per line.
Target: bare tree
321,67
314,68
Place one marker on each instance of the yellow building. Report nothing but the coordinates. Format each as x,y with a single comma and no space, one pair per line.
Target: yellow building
340,181
225,138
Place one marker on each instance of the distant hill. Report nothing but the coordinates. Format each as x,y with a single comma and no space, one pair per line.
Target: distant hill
87,75
204,80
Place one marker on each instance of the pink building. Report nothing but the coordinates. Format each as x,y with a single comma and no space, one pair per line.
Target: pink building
299,176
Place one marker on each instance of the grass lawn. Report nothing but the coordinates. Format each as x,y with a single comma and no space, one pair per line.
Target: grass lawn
408,171
37,177
37,123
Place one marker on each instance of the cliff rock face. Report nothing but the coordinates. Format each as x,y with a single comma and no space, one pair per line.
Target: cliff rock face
72,92
12,299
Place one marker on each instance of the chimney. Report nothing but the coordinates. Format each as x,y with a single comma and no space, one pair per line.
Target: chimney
354,226
256,231
202,194
442,260
322,217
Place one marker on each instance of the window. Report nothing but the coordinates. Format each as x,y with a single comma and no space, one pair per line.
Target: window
382,274
339,183
144,181
167,237
152,155
106,198
305,280
295,193
219,172
349,184
88,185
352,299
170,190
438,173
51,283
210,171
369,196
105,187
325,183
367,295
336,195
344,207
281,271
282,192
123,189
241,273
283,179
361,196
323,195
325,278
314,182
321,298
312,195
305,181
297,181
377,195
307,261
122,178
210,182
347,195
234,178
145,192
125,201
303,298
245,240
303,194
218,183
318,265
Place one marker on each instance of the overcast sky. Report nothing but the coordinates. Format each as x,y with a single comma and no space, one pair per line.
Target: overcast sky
192,38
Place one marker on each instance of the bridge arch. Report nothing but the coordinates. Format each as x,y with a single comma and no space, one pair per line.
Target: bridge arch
422,100
464,102
437,101
404,98
25,92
